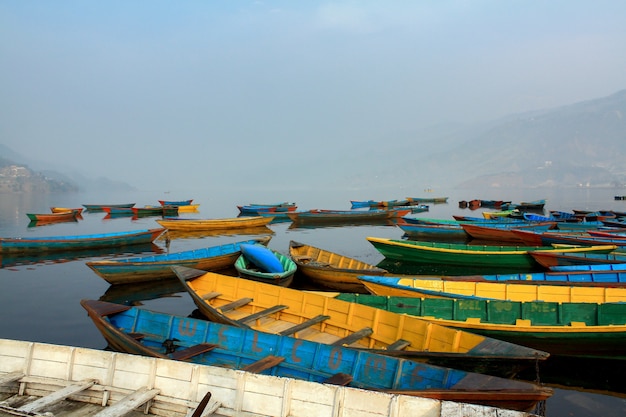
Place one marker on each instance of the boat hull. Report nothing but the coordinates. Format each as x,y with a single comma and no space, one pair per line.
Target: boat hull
214,224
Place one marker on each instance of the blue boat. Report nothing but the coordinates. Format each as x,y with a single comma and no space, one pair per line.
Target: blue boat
143,332
603,274
78,242
100,207
433,231
158,267
175,203
606,268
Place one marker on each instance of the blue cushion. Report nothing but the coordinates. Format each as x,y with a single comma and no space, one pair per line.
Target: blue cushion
262,257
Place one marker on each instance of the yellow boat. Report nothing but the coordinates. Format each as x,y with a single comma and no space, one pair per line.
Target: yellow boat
524,291
311,316
177,223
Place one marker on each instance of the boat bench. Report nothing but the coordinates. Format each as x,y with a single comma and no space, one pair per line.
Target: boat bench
211,295
235,304
262,313
399,344
263,364
304,325
340,379
351,338
192,351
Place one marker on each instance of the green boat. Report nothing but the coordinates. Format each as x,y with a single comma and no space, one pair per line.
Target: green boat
484,256
567,329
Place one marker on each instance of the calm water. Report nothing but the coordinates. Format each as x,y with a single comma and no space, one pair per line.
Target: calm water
40,297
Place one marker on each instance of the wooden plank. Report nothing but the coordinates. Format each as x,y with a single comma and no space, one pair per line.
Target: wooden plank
262,313
128,403
348,340
305,324
340,379
399,344
263,364
235,304
136,336
211,295
56,396
192,351
10,377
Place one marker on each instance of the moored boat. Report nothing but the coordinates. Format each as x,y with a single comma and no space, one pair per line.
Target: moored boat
158,267
63,216
315,317
258,263
78,242
502,232
575,329
175,202
487,256
140,331
180,223
77,210
552,259
486,290
100,207
331,270
345,216
432,231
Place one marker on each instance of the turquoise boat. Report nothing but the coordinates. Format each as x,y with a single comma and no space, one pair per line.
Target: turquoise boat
143,332
78,242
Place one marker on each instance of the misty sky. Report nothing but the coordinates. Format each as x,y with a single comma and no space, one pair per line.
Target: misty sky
157,93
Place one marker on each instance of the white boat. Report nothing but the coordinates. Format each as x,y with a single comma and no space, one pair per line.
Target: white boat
39,378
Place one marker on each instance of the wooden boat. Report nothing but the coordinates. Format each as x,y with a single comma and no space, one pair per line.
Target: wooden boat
331,270
148,211
202,234
187,208
614,272
378,203
490,215
318,318
100,207
255,209
601,275
213,224
43,372
469,255
78,242
77,210
143,332
526,205
345,216
551,238
175,202
502,232
432,231
552,259
250,266
127,211
158,267
578,329
52,217
434,200
457,289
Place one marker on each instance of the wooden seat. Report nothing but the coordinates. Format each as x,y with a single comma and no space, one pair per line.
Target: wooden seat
56,396
399,344
128,403
235,304
263,364
351,338
192,351
10,377
262,313
340,378
211,295
304,325
136,336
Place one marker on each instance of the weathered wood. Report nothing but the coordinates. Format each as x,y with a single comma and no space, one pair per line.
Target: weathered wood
211,295
10,377
235,304
192,351
129,403
340,378
348,340
263,364
56,396
399,344
305,324
262,313
137,336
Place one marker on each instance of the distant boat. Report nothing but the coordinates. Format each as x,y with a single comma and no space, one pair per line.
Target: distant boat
63,216
100,207
175,202
179,223
77,210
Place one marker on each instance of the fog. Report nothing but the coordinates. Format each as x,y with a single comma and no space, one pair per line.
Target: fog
160,94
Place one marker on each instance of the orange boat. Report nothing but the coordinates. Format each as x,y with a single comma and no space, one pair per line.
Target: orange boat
52,217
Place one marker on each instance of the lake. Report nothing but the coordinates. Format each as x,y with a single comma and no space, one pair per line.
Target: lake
40,295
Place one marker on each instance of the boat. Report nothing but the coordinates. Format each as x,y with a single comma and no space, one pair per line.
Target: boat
485,290
484,256
422,231
557,238
175,202
502,232
345,216
553,259
311,316
526,205
100,207
228,223
490,215
148,211
255,209
143,332
187,208
158,267
421,200
573,329
126,211
253,264
43,371
78,242
64,216
77,210
331,270
378,203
